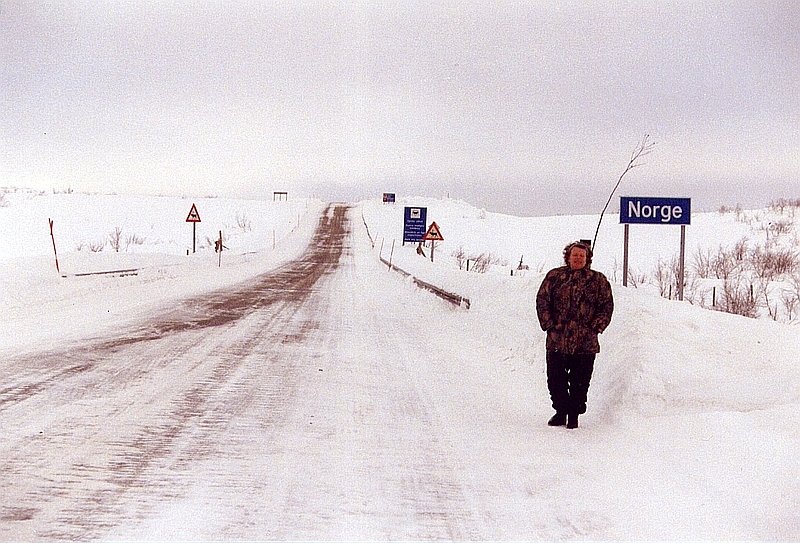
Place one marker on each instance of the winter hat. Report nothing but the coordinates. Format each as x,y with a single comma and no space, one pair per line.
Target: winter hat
581,245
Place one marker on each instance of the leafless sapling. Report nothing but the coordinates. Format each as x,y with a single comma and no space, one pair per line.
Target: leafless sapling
642,149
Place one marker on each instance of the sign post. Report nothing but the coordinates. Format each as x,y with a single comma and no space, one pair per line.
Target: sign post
433,235
643,210
194,218
218,246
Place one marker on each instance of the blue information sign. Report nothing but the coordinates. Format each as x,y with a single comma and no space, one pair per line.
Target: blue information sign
415,224
388,197
636,210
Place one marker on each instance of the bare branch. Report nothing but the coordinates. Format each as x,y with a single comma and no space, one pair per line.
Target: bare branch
644,148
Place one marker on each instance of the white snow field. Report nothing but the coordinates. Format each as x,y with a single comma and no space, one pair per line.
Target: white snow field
416,419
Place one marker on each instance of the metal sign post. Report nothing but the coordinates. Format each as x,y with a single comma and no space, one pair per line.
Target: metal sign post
625,257
644,210
682,269
433,235
194,218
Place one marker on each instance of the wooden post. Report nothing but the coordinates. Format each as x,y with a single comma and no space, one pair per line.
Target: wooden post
58,269
433,246
220,249
194,237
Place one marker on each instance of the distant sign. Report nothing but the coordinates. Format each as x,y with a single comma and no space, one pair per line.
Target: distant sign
388,197
433,233
415,222
636,210
194,216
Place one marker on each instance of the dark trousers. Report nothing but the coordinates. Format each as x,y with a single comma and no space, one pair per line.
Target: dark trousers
568,377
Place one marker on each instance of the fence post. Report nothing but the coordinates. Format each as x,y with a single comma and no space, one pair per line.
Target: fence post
54,244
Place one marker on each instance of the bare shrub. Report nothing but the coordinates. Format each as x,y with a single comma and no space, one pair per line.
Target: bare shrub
782,204
738,298
723,264
664,278
778,205
484,261
740,249
115,239
769,264
791,300
771,309
703,262
97,246
781,227
243,222
133,239
667,277
636,278
461,257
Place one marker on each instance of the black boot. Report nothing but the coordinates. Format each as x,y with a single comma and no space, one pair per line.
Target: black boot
559,419
572,421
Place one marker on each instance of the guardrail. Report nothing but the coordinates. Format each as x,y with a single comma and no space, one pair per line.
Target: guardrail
441,293
114,273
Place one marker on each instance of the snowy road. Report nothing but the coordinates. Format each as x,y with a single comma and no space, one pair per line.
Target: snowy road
330,399
281,409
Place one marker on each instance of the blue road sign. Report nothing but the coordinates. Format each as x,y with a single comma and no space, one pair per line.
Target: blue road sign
415,224
388,197
637,210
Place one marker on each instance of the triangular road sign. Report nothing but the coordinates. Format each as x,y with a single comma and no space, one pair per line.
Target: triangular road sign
433,233
194,216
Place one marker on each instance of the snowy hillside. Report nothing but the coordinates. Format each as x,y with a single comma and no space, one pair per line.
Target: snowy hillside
693,402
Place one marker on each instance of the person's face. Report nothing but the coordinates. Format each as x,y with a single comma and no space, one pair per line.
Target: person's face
577,258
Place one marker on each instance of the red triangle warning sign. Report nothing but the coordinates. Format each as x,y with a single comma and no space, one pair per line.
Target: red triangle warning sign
194,216
433,233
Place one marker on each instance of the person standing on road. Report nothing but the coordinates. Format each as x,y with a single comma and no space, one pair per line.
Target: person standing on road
574,304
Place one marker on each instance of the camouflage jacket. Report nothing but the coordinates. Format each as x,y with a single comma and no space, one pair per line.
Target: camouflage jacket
573,307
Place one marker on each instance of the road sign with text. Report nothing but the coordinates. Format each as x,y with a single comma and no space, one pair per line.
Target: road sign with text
415,224
638,210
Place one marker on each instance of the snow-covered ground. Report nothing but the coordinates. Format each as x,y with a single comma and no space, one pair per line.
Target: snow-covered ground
41,307
692,429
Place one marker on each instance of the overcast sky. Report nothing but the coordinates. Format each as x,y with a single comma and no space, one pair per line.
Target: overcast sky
521,107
